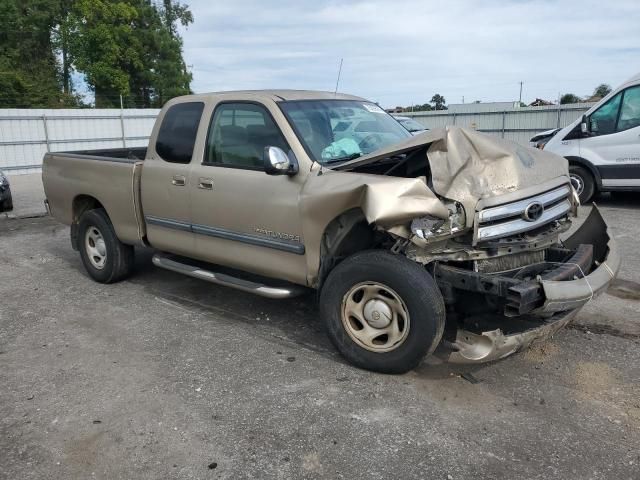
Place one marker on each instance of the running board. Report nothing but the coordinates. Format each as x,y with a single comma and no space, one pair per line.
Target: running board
227,280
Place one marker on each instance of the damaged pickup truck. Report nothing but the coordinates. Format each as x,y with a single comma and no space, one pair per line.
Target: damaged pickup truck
450,239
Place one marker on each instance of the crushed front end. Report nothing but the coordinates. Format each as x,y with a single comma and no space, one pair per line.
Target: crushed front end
511,280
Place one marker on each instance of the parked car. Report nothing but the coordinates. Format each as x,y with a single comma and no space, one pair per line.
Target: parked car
411,125
6,201
447,239
603,146
539,140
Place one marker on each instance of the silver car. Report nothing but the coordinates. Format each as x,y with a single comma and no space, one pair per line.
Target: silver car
410,124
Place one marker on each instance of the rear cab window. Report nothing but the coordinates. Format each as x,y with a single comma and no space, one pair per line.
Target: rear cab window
178,131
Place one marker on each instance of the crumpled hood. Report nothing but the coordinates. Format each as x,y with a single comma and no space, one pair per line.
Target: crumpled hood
468,166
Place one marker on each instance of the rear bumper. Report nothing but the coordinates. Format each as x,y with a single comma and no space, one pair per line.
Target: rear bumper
558,301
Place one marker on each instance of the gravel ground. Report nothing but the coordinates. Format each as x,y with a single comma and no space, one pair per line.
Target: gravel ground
163,376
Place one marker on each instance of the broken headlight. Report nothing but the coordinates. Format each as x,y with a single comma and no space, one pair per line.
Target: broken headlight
430,228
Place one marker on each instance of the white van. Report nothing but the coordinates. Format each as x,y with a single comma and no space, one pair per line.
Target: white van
603,147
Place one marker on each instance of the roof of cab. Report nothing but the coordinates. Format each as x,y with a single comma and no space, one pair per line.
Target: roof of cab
276,95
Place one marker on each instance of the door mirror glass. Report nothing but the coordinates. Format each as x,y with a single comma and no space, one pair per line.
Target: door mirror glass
277,162
584,126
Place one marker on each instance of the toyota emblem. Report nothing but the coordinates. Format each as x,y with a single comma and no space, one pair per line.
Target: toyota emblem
533,211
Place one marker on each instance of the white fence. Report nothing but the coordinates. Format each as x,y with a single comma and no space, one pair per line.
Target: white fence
27,134
516,124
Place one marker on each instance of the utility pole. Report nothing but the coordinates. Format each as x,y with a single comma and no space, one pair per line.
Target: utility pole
462,98
520,100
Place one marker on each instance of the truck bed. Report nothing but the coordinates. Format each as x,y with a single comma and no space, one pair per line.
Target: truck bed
110,177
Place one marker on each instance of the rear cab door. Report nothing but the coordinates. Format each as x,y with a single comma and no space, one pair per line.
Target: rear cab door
614,144
242,217
165,189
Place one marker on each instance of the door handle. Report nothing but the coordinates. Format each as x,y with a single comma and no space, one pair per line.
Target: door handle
178,180
205,183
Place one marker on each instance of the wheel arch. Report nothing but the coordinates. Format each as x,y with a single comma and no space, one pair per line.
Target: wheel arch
343,236
82,203
581,162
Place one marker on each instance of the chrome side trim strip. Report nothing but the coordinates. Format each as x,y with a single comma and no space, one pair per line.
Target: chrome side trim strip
518,226
227,280
282,245
516,208
167,223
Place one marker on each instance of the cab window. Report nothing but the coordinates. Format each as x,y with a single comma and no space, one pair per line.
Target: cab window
177,134
238,135
630,111
603,121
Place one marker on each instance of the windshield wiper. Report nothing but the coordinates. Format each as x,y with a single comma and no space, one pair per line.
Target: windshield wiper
346,158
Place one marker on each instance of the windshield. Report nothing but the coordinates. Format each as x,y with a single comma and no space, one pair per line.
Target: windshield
338,130
411,125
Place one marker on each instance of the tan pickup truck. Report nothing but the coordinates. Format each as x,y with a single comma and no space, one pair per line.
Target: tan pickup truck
449,239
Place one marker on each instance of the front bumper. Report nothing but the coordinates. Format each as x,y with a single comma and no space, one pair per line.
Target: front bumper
553,302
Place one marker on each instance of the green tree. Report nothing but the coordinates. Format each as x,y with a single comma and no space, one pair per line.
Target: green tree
30,76
569,98
165,73
425,107
103,47
438,102
602,90
129,48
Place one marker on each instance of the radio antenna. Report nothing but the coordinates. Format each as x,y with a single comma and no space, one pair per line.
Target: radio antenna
338,80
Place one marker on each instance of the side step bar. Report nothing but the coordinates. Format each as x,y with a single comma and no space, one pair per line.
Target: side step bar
262,290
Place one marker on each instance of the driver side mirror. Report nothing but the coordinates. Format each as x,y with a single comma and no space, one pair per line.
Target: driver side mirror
584,125
277,162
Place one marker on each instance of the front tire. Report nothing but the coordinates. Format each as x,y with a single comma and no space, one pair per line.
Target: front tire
382,311
105,257
583,182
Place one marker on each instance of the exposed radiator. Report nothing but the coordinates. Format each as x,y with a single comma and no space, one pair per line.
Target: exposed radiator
509,262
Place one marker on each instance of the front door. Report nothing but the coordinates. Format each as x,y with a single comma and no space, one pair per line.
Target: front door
615,145
165,179
242,217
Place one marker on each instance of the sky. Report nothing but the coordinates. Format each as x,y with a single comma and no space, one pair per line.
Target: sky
402,52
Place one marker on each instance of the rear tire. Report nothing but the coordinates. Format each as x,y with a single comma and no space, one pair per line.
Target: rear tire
583,182
382,312
105,257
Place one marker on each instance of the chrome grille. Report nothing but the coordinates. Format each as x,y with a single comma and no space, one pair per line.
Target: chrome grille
511,218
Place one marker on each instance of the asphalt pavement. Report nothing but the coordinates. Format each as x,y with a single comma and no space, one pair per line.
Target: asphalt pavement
163,376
